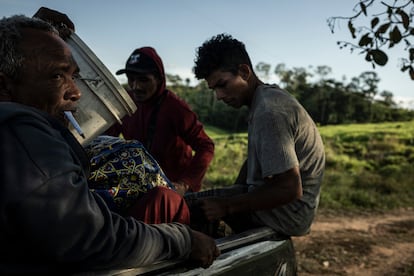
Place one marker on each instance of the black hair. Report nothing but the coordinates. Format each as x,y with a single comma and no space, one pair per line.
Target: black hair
221,52
11,56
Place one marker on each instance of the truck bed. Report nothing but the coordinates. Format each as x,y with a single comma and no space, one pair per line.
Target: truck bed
253,252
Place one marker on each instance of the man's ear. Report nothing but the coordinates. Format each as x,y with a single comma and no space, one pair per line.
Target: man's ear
245,71
5,87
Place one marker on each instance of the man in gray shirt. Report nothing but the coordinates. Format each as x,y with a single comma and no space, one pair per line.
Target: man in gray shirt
281,178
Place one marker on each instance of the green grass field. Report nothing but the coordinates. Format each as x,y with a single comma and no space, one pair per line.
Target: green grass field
369,166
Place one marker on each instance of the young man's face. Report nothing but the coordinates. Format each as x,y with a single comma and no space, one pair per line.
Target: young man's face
230,88
143,86
47,78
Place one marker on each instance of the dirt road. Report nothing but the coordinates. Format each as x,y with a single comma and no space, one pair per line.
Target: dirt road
358,244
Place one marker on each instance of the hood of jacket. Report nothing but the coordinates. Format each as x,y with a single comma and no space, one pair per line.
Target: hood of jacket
151,53
9,110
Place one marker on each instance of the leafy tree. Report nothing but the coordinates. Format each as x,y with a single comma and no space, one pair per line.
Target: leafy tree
392,25
369,84
187,81
293,80
173,80
323,72
283,73
263,70
388,98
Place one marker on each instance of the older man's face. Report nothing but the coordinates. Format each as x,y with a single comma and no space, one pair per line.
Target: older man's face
47,79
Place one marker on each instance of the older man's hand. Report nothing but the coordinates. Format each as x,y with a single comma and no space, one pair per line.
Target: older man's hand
203,249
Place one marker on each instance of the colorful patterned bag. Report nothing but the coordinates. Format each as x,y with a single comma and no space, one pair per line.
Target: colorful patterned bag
122,171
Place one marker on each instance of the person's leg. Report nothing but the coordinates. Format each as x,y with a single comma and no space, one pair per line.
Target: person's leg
161,205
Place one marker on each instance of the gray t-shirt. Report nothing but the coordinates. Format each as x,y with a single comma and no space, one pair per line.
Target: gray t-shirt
282,135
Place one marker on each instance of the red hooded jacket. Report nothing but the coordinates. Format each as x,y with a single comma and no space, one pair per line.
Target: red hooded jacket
177,133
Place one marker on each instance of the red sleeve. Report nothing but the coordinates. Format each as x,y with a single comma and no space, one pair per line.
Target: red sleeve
203,147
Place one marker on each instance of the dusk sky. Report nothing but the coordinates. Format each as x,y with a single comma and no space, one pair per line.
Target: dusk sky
293,32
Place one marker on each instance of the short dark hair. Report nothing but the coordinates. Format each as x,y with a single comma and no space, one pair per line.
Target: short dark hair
11,56
220,52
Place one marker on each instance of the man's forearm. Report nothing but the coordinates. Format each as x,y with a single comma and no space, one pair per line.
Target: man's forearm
276,191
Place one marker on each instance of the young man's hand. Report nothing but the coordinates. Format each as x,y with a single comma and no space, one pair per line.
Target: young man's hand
214,208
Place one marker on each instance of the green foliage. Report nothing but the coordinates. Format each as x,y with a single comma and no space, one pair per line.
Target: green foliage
230,153
369,166
390,26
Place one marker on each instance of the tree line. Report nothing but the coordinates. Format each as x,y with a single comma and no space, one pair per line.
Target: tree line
327,100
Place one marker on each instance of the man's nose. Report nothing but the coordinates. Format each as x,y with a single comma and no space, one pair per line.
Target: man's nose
134,84
73,93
